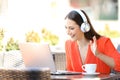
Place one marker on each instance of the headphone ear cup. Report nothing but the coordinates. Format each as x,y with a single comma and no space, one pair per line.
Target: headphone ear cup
85,27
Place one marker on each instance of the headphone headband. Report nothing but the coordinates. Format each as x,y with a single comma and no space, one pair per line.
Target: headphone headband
85,25
82,15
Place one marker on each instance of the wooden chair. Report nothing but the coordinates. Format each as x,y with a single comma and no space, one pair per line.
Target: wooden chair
25,74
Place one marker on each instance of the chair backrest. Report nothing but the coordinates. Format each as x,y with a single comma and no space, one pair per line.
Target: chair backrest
25,74
118,47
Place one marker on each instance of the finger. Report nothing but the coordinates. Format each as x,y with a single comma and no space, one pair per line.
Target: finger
90,42
94,38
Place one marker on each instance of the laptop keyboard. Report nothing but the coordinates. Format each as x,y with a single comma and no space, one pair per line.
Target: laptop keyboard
65,73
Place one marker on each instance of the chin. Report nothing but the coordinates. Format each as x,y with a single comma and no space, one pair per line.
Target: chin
73,39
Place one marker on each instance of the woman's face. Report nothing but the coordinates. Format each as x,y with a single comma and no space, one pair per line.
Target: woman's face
73,30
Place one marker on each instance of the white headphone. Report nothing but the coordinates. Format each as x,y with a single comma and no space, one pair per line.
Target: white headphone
85,27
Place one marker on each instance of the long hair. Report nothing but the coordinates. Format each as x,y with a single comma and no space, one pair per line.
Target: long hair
75,16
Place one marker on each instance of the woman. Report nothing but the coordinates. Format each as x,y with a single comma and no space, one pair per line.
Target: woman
87,46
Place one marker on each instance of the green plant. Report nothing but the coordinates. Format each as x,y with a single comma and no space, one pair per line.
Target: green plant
11,45
32,36
109,33
45,36
49,37
2,32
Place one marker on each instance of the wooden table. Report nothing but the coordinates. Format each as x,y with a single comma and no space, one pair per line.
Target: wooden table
82,77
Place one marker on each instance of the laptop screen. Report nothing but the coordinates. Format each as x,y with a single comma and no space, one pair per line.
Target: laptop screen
37,55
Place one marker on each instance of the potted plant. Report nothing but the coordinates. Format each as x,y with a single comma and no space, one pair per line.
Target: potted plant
11,45
45,35
49,37
32,36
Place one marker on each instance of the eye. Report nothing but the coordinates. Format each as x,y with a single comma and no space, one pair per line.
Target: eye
71,28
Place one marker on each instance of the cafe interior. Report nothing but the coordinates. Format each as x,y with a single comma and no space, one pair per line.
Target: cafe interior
41,21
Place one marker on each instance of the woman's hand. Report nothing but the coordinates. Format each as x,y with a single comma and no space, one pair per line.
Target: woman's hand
93,46
106,59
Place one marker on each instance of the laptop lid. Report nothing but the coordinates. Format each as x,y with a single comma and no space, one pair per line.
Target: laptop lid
37,55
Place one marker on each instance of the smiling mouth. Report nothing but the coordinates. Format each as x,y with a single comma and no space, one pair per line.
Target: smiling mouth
72,36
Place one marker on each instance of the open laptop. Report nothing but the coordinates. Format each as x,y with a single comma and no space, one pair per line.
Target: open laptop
39,55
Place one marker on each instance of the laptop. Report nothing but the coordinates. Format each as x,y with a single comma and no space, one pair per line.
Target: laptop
39,55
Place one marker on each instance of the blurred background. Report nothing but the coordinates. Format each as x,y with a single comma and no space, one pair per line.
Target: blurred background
43,20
